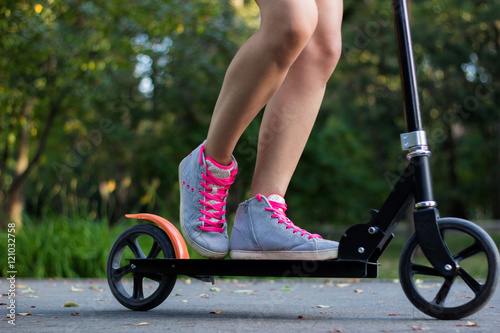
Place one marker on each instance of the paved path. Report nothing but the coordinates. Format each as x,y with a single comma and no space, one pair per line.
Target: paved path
233,306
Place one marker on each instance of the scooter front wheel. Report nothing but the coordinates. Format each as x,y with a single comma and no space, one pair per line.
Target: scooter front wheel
139,292
463,293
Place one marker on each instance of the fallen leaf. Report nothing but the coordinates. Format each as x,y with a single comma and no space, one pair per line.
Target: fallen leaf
96,288
416,328
70,304
143,324
471,324
343,285
359,291
215,289
32,296
73,288
184,301
75,313
322,306
29,291
301,317
244,291
24,314
287,288
216,312
386,330
337,330
393,314
20,286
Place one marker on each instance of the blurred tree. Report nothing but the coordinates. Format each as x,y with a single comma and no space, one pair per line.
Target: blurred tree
100,101
457,48
354,155
91,81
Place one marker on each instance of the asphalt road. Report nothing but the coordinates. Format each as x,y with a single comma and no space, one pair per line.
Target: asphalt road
299,305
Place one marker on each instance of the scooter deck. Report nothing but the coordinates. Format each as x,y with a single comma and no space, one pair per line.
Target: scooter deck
272,268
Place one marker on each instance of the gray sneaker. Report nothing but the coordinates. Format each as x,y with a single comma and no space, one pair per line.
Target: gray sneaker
204,188
262,231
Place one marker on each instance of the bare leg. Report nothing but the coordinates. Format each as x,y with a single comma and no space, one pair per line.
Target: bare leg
290,114
258,70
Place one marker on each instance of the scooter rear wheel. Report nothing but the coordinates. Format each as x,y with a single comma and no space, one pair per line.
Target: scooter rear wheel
139,292
469,289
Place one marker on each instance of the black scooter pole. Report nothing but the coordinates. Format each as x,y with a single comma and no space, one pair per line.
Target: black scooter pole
407,66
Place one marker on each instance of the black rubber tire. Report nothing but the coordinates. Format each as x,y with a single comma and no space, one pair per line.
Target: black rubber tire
481,289
116,271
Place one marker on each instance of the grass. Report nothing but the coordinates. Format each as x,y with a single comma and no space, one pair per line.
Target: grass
61,246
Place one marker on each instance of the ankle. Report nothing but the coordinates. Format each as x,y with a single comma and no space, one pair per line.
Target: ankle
221,160
218,165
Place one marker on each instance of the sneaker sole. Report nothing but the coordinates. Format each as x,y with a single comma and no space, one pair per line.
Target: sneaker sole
285,255
196,248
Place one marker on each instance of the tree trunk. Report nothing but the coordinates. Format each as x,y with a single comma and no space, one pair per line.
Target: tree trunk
457,205
14,199
14,203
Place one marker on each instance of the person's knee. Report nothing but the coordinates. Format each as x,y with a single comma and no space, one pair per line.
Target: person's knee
290,31
330,52
324,54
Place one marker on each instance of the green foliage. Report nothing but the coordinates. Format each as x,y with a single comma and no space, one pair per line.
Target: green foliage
58,246
353,157
123,85
459,72
131,87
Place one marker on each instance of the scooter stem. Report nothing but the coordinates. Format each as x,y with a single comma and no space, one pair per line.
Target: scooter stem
425,214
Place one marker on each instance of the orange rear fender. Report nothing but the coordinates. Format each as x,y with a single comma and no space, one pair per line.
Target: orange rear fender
180,248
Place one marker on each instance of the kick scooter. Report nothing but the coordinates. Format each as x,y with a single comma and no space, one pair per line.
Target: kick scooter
428,253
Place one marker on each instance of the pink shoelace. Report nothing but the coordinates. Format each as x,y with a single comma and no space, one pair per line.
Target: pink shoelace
279,210
214,212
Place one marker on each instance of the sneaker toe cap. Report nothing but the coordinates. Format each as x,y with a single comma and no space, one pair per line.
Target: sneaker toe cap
317,244
216,242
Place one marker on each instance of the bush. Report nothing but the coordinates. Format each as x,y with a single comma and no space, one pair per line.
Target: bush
62,246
